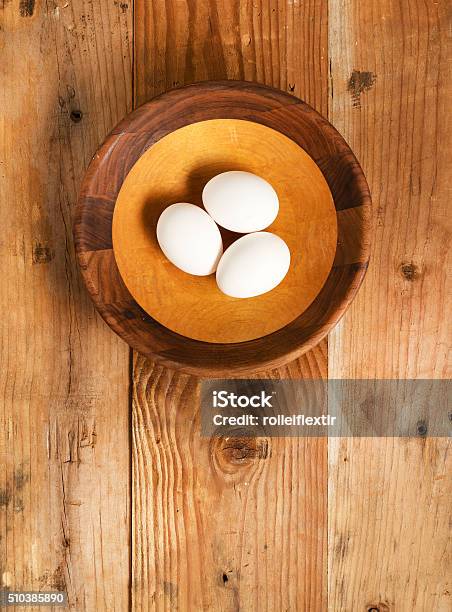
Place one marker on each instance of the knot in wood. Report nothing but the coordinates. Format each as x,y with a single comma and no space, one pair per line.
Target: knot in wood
380,607
234,452
237,450
409,271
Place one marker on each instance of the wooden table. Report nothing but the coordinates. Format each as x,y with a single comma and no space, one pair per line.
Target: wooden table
108,491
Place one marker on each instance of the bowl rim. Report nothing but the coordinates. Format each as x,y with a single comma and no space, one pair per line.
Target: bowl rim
139,131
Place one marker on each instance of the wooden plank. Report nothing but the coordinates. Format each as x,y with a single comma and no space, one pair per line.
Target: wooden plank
229,525
64,492
220,524
268,41
390,91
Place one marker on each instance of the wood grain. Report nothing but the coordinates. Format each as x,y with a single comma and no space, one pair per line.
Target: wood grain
63,493
146,127
200,541
390,98
280,44
64,485
222,524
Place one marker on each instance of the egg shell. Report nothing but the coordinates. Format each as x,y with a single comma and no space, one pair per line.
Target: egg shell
240,201
254,264
189,238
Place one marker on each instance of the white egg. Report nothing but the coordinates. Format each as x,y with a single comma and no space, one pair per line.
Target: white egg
240,201
190,239
253,264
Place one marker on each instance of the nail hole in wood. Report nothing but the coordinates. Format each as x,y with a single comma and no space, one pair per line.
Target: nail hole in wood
76,116
421,428
225,578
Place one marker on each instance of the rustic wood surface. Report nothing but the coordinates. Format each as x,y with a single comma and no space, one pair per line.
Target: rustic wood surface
64,476
379,72
102,189
388,510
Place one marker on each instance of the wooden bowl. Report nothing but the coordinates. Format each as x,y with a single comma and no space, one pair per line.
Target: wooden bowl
165,152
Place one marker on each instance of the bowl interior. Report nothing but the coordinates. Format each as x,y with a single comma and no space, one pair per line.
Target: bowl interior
175,169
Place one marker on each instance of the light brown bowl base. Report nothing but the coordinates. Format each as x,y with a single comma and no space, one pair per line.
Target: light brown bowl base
176,169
